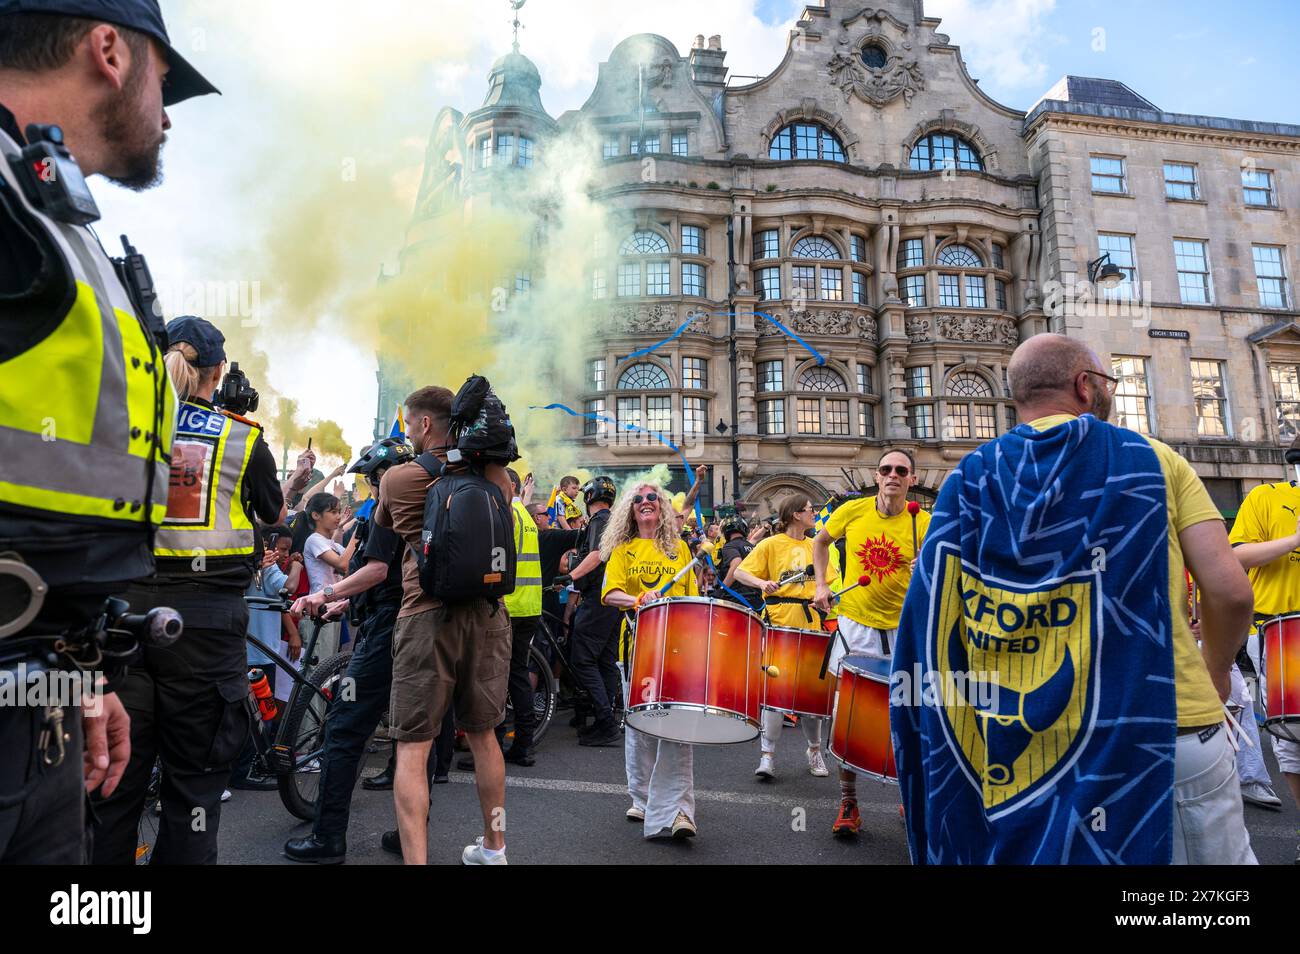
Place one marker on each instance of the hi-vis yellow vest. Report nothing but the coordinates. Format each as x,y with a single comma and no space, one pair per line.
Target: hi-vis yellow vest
81,408
526,600
205,509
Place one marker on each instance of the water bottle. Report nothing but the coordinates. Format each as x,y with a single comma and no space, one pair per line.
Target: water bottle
261,689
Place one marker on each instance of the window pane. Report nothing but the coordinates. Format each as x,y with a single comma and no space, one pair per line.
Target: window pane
659,414
975,291
643,376
944,151
959,256
1000,288
695,372
956,426
692,240
986,422
949,291
968,384
681,144
656,278
1120,249
1132,397
629,411
864,379
808,416
771,376
806,141
596,374
692,279
767,244
525,158
644,242
920,419
609,148
1270,277
592,428
814,246
832,284
1107,174
505,149
866,420
911,253
598,289
913,290
695,415
821,379
837,418
918,381
998,260
860,288
1211,402
771,417
629,280
1180,181
1286,392
769,283
1193,271
485,152
1258,186
804,280
857,248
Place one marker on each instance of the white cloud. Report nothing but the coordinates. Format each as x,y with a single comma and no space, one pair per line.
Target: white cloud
1003,41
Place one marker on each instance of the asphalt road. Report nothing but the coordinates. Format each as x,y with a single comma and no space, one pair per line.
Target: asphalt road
568,809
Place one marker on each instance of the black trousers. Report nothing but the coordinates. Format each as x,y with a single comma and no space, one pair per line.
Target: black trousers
522,631
593,653
42,808
188,708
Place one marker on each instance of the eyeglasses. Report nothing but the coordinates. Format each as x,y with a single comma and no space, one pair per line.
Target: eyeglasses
886,469
1112,384
649,498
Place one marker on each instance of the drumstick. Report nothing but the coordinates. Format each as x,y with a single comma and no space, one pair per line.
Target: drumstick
914,508
863,580
680,573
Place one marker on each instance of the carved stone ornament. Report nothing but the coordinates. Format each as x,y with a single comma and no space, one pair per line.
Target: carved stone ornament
900,76
841,323
651,319
660,73
976,329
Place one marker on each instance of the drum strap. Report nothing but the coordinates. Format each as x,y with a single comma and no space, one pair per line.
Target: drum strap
806,604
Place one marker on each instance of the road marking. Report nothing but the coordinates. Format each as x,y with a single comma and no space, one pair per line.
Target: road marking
703,795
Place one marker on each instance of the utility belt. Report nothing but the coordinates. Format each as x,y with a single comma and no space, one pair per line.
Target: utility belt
34,742
808,608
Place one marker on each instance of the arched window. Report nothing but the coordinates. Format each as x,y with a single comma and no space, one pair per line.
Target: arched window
643,377
945,151
644,242
814,246
806,141
959,256
969,411
969,384
819,378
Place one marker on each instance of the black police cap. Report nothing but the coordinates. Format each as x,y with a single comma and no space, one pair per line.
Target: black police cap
202,335
183,80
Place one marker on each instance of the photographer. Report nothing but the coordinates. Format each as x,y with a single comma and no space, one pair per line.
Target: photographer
86,412
187,702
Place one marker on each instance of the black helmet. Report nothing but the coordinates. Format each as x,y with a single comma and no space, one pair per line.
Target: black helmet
381,455
598,489
735,524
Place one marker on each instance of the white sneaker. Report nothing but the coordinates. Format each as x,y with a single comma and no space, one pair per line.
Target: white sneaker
817,764
683,827
766,767
635,814
474,855
227,794
1257,793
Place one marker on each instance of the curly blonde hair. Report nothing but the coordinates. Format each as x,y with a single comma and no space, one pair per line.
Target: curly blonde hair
622,523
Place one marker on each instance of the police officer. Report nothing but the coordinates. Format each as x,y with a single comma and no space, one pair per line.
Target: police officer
525,608
373,587
594,642
86,412
187,702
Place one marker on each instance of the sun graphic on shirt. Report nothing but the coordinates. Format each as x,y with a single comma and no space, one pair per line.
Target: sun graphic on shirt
880,557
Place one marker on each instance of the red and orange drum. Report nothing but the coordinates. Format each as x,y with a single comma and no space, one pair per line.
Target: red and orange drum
799,687
1281,651
860,726
696,674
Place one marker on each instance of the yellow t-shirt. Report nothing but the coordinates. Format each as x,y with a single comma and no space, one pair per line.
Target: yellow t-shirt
639,565
1269,512
880,547
1189,504
776,556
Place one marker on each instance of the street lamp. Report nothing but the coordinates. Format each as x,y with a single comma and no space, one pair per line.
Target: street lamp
1107,275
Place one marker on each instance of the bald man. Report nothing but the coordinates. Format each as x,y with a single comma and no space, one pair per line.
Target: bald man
1052,584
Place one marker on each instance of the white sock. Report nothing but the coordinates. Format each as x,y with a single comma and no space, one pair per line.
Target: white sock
492,852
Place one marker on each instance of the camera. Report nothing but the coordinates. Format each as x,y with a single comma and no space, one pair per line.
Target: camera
51,178
236,395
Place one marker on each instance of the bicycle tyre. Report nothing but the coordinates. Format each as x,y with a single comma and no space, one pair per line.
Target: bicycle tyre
546,696
301,802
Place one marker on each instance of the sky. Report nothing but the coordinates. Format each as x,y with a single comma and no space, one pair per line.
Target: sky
319,136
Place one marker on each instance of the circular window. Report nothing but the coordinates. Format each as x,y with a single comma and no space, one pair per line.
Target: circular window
874,56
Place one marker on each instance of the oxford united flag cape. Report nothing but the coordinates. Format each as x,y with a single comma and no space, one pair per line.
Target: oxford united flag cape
1032,700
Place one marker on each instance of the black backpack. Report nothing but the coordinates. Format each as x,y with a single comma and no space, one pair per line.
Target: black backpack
468,550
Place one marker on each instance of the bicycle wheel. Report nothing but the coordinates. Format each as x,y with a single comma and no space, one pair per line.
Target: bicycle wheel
304,729
147,836
545,696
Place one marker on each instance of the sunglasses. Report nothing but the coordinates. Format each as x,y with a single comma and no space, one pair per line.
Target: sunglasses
648,498
886,469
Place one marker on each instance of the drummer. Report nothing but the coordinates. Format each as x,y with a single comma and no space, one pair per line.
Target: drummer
1265,538
789,605
643,552
878,534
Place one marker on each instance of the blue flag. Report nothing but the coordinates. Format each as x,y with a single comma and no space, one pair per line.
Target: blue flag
1032,694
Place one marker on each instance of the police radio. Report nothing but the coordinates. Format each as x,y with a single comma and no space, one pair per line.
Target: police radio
51,178
236,395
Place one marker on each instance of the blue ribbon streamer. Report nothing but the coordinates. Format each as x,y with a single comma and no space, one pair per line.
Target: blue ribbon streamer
821,359
690,472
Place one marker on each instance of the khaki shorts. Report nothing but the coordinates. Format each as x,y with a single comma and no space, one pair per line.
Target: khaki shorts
455,656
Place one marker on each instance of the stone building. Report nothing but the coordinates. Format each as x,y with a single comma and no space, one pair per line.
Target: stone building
909,232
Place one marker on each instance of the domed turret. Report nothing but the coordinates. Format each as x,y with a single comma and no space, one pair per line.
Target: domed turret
514,81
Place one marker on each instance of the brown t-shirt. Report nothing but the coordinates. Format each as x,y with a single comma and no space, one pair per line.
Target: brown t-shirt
402,492
401,506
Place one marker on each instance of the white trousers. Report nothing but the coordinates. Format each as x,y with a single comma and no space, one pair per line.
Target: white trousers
1250,757
812,730
861,639
1209,824
660,778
